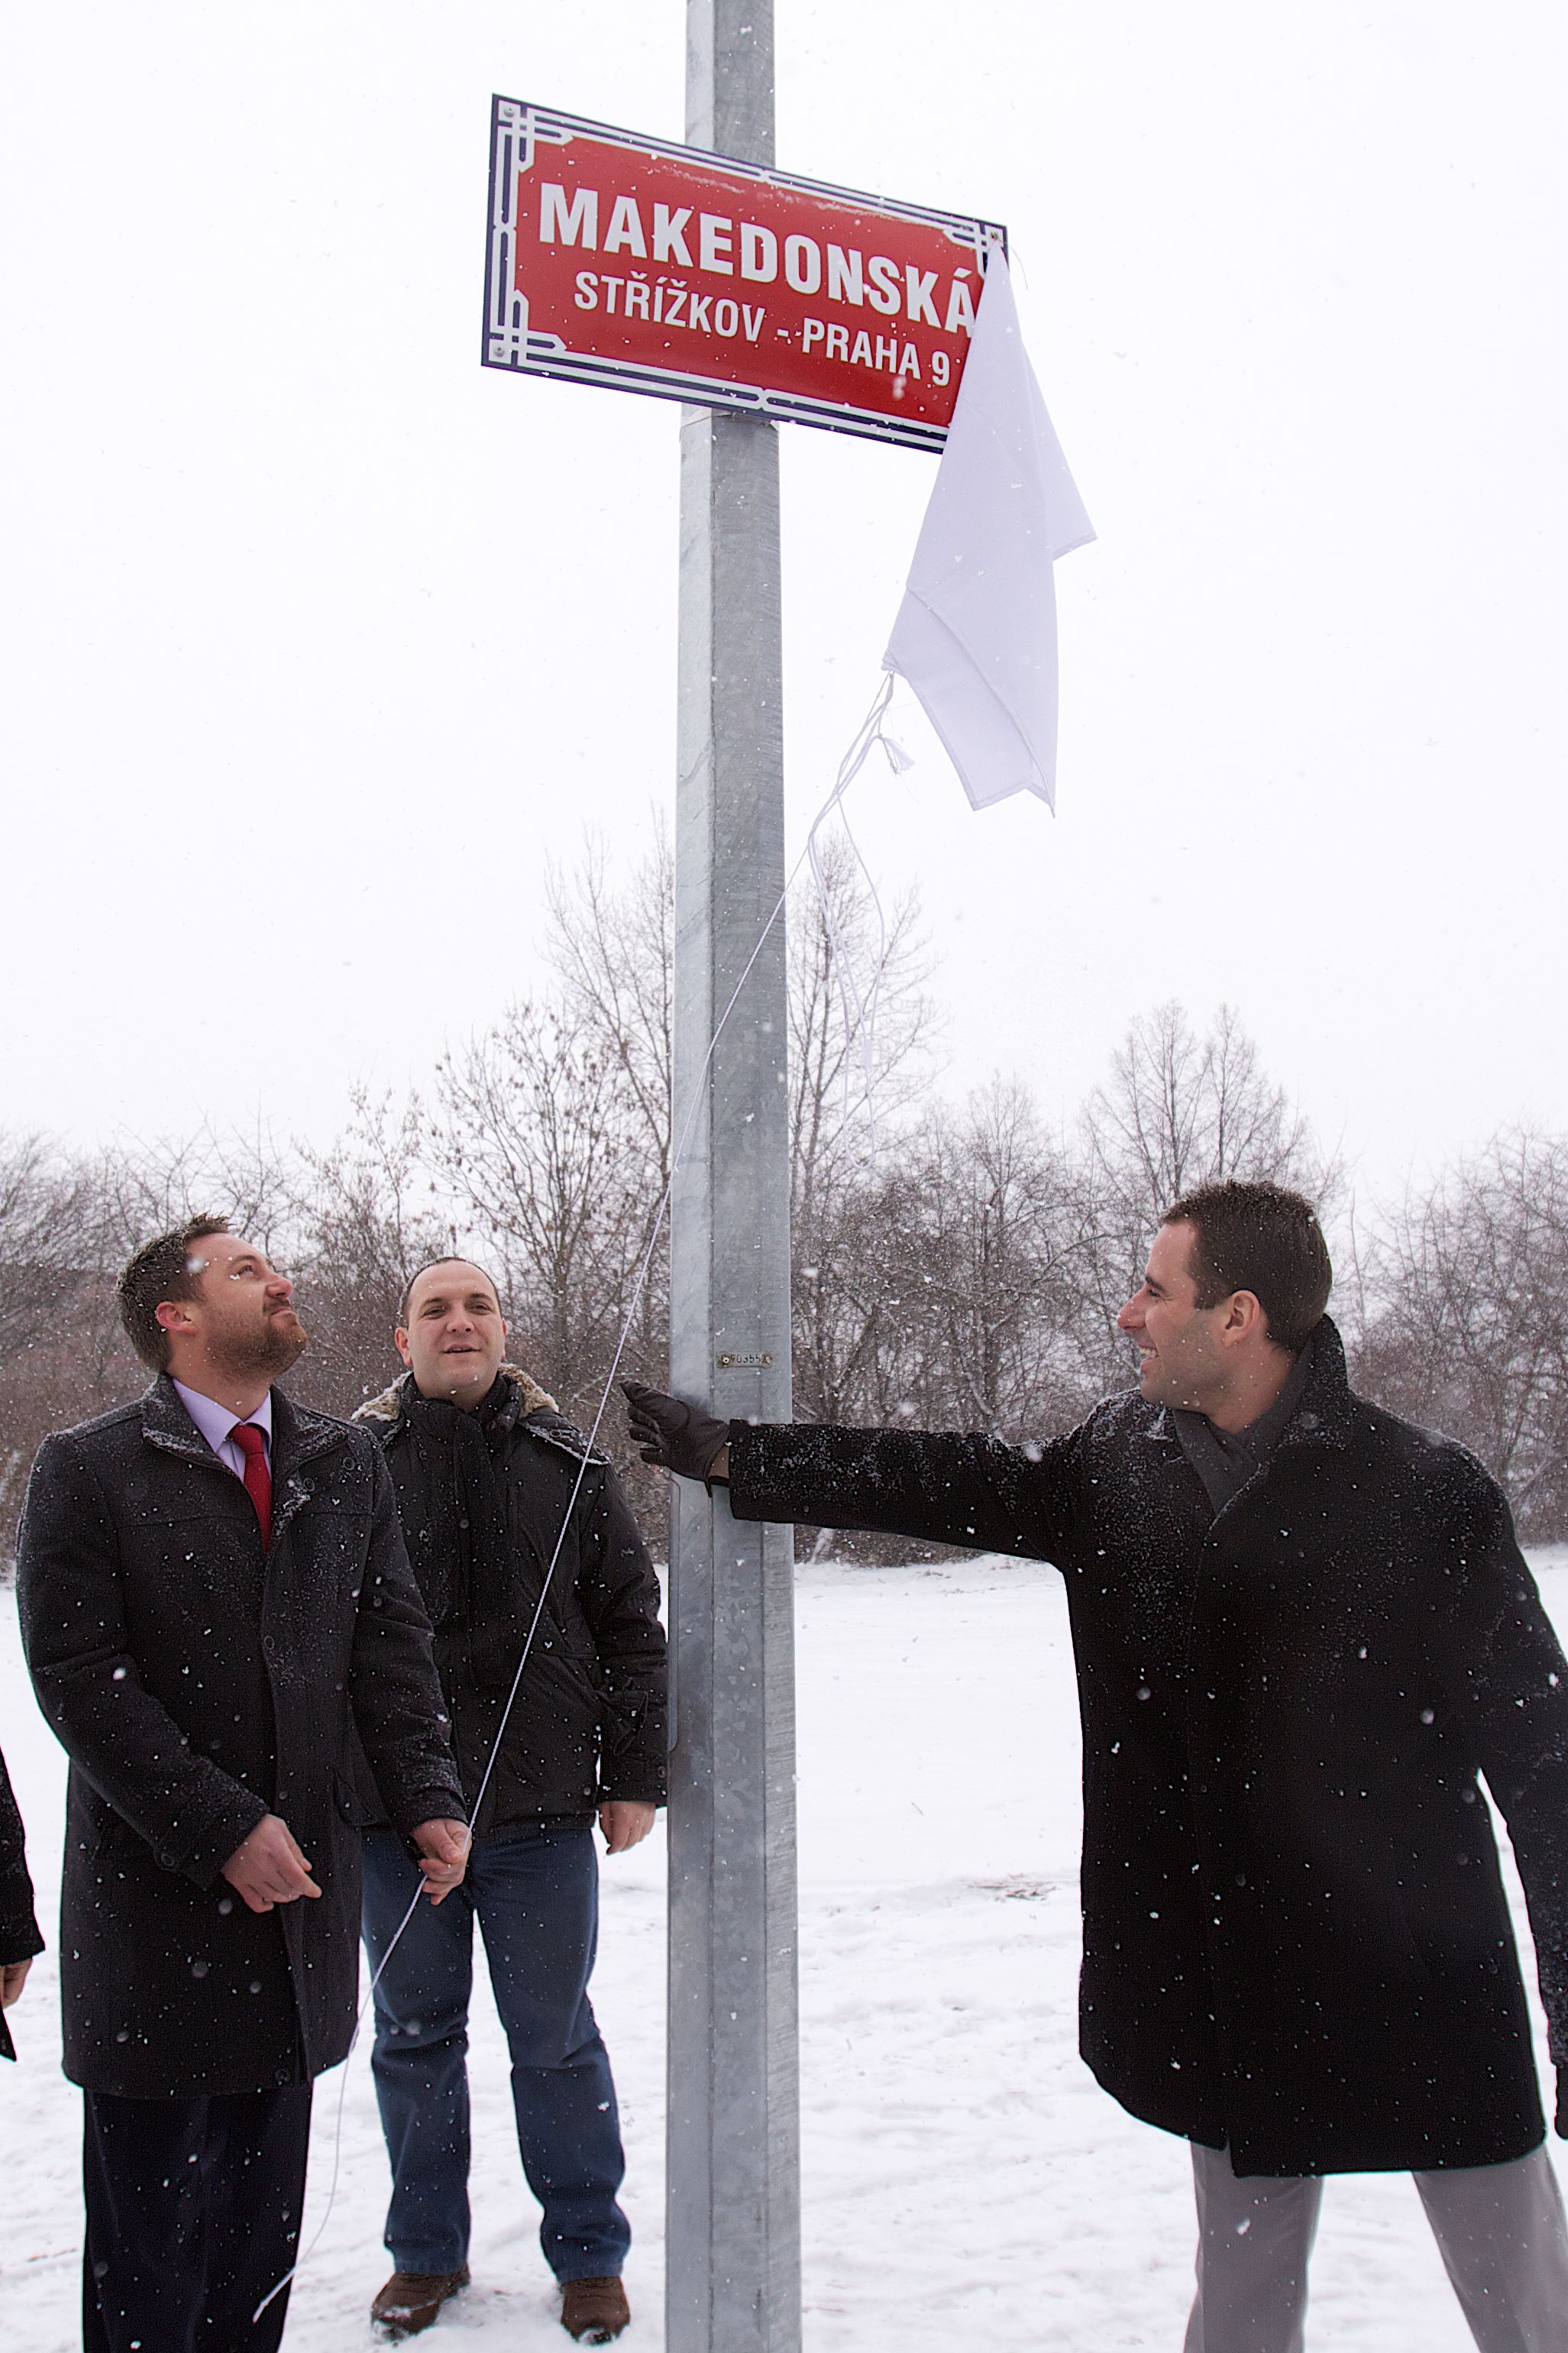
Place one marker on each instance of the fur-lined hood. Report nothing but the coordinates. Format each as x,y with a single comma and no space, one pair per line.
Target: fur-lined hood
529,1404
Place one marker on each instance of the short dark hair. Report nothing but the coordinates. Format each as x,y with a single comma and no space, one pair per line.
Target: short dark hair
161,1271
1263,1238
449,1258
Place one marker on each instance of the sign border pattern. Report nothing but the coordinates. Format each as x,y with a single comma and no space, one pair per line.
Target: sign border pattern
510,345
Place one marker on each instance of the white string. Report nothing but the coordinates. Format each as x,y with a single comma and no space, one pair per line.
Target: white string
860,1021
869,733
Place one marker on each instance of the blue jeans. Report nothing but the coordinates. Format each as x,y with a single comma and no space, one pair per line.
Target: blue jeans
536,1892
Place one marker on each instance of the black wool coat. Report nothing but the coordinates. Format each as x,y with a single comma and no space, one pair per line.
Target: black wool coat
198,1682
588,1722
19,1937
1296,1941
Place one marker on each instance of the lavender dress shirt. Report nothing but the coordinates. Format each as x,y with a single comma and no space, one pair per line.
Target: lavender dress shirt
214,1421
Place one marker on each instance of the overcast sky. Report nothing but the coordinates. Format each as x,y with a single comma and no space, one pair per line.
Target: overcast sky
321,639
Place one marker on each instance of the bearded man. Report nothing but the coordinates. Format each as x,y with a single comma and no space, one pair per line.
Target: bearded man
214,1599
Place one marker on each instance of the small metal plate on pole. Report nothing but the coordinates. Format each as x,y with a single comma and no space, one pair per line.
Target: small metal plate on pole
623,261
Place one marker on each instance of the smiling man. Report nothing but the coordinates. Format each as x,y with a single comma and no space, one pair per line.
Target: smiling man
1304,1634
215,1600
515,1530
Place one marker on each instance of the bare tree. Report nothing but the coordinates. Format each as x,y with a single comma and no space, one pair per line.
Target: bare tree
613,951
1470,1331
1180,1110
368,1216
46,1218
861,1031
994,1247
533,1137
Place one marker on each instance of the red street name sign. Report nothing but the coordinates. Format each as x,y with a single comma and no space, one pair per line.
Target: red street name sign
626,261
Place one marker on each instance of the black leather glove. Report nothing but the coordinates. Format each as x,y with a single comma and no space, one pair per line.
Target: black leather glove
677,1436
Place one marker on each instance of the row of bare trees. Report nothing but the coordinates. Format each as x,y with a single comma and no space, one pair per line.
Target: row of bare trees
955,1259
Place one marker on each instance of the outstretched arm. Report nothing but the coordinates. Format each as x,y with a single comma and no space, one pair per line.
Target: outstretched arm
937,1487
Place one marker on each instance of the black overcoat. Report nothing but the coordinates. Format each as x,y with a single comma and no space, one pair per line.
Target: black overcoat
19,1937
1296,1941
199,1682
587,1721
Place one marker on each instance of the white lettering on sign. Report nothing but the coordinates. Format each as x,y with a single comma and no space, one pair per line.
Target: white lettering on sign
725,250
624,232
669,234
802,264
918,284
833,337
759,253
556,218
715,242
886,293
846,276
667,302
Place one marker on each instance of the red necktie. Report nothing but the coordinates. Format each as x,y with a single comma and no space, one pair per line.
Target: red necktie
258,1477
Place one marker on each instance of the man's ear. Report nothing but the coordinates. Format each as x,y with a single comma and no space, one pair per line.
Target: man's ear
1244,1316
399,1342
174,1315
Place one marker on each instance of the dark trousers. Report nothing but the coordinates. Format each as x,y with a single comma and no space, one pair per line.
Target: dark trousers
193,2214
534,1891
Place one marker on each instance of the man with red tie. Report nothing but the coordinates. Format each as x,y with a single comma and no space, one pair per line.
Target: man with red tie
215,1600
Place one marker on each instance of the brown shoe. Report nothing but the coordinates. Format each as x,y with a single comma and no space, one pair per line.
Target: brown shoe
411,2300
594,2310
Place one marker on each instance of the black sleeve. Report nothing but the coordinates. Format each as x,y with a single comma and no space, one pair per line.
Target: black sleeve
19,1937
1515,1683
938,1488
398,1710
619,1593
190,1812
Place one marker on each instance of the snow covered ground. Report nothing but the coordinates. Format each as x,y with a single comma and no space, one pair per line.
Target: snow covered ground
965,2182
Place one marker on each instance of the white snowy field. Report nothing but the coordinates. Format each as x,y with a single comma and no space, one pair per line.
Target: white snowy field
965,2181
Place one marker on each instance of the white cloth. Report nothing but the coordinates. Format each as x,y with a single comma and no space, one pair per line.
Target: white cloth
976,634
216,1425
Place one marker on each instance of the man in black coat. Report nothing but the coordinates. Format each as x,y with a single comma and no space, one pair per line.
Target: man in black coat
523,1544
1303,1632
215,1601
19,1937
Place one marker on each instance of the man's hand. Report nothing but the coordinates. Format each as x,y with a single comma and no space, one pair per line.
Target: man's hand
626,1821
675,1436
443,1856
267,1867
12,1977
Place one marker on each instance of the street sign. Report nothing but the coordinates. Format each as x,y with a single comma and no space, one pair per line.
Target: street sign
621,260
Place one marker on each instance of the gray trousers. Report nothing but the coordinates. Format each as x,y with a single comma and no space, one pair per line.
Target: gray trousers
1499,2230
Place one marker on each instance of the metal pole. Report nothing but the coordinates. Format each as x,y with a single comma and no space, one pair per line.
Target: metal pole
733,2199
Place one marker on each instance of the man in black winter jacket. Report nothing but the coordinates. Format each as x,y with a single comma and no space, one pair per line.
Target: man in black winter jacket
1303,1633
522,1543
216,1605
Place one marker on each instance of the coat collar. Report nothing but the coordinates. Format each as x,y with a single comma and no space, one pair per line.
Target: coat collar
296,1433
1324,1414
525,1398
